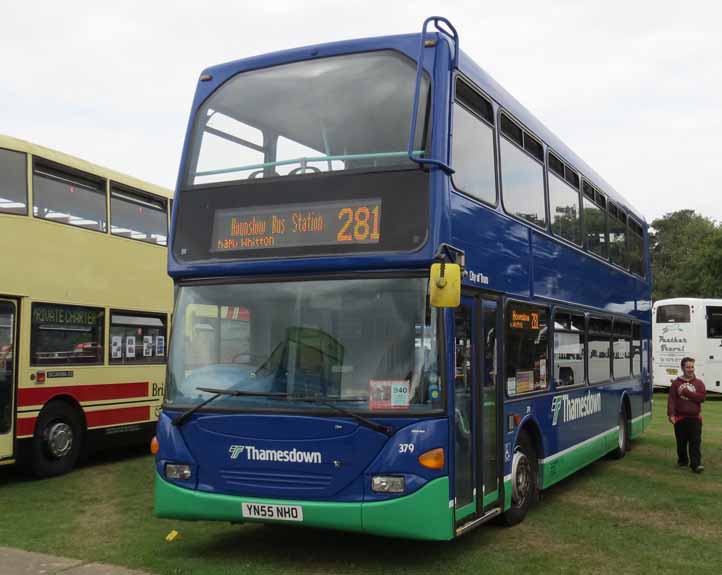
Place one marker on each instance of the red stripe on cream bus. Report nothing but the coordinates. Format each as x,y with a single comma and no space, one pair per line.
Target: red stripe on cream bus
100,392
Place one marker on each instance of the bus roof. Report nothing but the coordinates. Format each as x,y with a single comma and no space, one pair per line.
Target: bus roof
409,43
17,145
688,301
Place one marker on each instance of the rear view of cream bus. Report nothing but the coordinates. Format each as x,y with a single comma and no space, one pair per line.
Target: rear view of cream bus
687,327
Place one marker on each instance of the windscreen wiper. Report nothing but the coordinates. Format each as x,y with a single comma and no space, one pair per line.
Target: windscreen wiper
385,429
181,419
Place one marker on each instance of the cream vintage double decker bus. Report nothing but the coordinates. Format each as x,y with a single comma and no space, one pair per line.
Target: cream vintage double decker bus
85,304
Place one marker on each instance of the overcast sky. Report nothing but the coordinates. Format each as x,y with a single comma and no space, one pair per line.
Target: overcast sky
634,87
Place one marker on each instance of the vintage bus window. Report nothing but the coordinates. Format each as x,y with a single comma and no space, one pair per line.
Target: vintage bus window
138,217
564,210
66,334
137,338
599,349
7,364
622,342
522,180
714,322
13,182
568,349
69,199
674,313
473,156
526,349
595,228
327,114
366,342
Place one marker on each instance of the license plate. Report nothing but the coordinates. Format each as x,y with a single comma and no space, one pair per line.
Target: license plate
671,371
277,512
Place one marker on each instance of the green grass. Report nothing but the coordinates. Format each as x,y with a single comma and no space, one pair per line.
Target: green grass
637,515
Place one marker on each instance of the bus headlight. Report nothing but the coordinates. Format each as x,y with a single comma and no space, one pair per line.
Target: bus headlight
388,484
177,471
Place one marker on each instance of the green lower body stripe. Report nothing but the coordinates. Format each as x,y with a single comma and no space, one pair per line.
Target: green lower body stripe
424,514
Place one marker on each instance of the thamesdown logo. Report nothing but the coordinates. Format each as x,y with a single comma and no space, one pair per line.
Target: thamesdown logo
576,408
282,455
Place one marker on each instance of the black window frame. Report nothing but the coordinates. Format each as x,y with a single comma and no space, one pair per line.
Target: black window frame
162,316
63,172
478,105
142,199
549,349
25,180
100,339
615,333
600,317
556,167
510,130
674,305
707,309
571,313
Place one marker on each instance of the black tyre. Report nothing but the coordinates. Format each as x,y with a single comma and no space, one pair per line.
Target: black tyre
57,440
622,437
524,474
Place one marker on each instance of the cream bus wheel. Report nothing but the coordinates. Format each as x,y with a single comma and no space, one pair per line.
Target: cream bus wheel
57,440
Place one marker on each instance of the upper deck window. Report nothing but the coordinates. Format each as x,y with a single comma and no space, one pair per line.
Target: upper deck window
13,183
564,209
595,220
473,145
137,216
68,198
522,176
330,114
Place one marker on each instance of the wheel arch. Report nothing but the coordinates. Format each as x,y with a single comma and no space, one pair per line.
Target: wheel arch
68,400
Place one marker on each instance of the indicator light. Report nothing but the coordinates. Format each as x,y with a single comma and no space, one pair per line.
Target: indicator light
433,459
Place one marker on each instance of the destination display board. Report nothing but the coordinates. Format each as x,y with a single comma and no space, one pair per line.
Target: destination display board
308,224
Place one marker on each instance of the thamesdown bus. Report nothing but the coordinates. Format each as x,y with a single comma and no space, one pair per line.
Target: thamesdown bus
84,307
444,309
687,327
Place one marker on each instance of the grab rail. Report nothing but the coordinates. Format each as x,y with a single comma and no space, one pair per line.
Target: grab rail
451,33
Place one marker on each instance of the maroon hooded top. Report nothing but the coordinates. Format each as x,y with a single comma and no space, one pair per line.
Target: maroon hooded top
688,402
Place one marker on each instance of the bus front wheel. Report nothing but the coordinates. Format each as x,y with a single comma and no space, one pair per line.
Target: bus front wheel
57,440
524,485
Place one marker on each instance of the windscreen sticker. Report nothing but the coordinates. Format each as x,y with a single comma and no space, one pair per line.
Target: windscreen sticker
389,394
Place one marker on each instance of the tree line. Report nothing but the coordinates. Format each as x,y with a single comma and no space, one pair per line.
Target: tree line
686,253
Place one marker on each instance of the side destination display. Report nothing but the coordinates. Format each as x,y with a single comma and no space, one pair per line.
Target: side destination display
297,225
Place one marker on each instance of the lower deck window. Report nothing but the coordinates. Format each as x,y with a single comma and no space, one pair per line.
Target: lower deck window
526,349
137,338
66,334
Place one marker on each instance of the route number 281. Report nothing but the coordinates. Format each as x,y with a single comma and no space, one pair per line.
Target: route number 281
358,225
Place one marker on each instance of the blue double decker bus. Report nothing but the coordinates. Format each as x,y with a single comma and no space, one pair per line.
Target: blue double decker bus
403,306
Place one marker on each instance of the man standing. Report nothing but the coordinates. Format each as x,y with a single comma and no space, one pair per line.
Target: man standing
684,407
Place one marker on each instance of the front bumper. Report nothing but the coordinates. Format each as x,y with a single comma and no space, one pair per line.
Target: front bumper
424,514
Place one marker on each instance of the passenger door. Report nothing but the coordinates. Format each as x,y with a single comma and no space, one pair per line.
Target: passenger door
475,422
8,359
